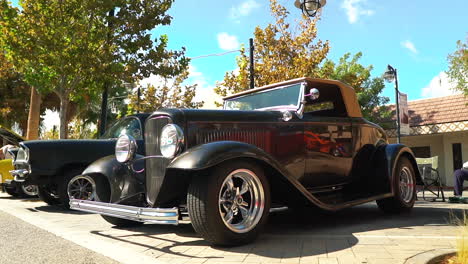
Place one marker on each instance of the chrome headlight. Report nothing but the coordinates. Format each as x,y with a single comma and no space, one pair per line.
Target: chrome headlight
171,140
23,154
125,148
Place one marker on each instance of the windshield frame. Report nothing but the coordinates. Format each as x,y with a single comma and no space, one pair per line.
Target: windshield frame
276,107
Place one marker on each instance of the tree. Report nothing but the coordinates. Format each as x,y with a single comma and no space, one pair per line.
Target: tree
73,47
458,66
170,94
14,96
368,90
280,53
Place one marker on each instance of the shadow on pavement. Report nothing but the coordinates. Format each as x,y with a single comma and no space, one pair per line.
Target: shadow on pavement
296,234
55,209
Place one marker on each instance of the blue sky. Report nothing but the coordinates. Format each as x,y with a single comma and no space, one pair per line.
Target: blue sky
414,36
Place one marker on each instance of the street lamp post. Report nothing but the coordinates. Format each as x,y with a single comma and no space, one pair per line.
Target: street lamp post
310,7
391,75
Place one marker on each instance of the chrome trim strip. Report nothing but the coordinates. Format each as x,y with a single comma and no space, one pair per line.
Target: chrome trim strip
167,216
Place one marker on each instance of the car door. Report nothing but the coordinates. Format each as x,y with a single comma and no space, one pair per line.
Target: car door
328,151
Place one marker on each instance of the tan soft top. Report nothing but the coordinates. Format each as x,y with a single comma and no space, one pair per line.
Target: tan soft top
348,93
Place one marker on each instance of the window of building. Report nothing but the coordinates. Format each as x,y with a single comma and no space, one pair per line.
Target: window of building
422,152
457,156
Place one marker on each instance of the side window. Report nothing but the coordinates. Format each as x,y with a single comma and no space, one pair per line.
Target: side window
329,103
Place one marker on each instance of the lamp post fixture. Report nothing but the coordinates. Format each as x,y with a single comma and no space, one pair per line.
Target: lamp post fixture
391,75
310,7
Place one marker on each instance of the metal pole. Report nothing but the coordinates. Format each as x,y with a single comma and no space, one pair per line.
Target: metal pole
105,93
252,71
138,102
397,93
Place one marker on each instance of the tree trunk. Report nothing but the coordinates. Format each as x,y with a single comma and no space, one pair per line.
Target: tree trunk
34,115
63,117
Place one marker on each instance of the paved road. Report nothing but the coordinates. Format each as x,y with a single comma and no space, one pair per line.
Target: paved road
25,243
361,234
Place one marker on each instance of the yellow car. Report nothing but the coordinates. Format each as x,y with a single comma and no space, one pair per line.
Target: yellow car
7,182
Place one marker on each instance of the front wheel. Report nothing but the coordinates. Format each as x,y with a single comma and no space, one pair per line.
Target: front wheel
230,205
27,190
404,183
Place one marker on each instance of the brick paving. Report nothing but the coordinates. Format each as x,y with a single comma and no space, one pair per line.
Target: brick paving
361,234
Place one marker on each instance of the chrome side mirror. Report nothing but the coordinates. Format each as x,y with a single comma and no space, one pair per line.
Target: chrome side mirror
314,94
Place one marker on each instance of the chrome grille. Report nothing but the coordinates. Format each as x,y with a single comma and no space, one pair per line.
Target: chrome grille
155,167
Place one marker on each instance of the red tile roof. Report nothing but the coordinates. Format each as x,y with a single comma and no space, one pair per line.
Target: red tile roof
438,110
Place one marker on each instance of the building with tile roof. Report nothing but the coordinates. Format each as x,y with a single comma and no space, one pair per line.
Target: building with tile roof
438,127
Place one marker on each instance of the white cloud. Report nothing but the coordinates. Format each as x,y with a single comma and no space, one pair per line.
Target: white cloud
354,10
407,44
244,9
205,91
51,119
227,42
440,85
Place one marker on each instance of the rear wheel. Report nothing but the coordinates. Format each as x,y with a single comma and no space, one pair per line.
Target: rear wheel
48,194
62,186
404,182
230,205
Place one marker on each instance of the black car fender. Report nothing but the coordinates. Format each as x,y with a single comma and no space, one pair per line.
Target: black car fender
393,152
116,181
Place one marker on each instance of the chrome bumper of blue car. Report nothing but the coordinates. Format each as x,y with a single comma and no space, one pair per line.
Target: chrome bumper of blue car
168,216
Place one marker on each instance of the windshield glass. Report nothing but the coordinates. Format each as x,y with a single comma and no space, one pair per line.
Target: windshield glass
127,126
287,96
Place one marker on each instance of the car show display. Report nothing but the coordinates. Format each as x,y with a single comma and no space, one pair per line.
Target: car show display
55,166
11,142
300,142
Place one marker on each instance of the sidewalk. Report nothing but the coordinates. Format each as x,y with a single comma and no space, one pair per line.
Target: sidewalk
360,234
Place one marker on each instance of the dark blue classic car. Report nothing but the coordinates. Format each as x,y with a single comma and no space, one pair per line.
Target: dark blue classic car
301,142
56,165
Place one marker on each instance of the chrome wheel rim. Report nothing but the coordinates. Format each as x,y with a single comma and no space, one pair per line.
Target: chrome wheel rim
241,201
406,185
82,187
30,190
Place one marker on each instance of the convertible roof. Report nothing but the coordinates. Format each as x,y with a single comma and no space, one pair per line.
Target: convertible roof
10,136
348,93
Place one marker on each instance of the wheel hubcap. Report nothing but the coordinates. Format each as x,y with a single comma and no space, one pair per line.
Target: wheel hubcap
241,201
406,185
82,188
30,190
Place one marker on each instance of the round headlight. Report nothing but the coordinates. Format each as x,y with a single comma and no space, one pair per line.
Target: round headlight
125,148
171,140
22,155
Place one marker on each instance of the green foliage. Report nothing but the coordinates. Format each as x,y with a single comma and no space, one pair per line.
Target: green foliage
458,66
73,47
171,93
281,53
368,90
15,94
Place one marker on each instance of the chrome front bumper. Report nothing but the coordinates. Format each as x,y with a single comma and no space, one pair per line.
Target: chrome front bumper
168,216
20,174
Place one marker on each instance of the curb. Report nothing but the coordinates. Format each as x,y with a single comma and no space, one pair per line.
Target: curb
425,257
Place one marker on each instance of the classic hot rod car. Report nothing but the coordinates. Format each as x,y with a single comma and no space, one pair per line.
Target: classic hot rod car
55,165
7,183
300,142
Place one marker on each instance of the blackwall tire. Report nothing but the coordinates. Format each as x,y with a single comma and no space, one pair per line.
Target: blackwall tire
47,195
62,186
404,186
12,191
230,204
